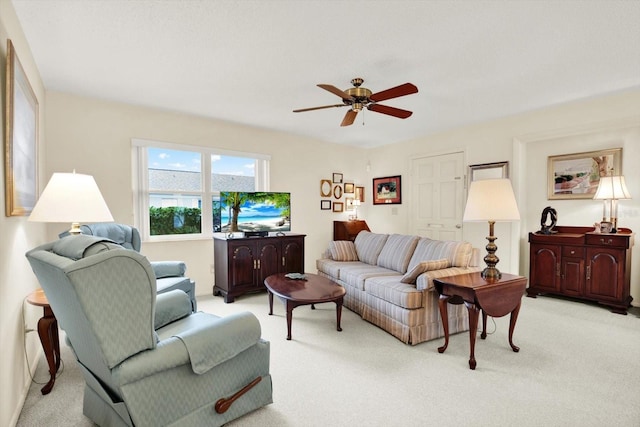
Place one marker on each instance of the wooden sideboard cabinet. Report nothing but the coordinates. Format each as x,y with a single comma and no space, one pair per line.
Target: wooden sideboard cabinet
348,230
242,264
578,263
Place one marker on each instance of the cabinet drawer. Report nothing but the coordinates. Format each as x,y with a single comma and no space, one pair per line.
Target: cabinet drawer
608,240
573,251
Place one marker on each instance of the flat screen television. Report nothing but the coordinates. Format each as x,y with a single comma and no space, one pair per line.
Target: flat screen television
252,212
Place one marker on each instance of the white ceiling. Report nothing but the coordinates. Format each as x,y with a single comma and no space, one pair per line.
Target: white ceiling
253,62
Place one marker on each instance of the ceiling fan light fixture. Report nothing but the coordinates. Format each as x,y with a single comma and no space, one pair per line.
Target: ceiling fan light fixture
360,98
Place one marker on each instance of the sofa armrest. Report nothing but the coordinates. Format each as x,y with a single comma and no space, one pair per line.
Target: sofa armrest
171,306
168,268
425,280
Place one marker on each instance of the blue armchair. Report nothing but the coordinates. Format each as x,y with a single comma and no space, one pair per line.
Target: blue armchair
170,274
147,359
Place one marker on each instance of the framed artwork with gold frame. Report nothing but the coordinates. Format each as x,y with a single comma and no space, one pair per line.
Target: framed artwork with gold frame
576,176
21,140
325,188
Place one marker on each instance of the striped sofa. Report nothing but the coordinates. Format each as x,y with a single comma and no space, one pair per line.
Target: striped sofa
389,281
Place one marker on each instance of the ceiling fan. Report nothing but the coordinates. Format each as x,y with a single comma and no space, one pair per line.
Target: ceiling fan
359,97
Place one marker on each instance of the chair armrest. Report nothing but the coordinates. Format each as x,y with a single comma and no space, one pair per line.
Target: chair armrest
168,268
216,342
171,306
229,336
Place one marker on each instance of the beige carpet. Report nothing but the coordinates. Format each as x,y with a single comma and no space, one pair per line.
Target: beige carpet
579,365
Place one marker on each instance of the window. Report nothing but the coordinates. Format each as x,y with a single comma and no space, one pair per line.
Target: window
173,197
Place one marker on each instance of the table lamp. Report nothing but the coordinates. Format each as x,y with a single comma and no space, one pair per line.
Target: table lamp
610,190
71,197
491,200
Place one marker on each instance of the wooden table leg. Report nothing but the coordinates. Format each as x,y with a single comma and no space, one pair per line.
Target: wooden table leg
339,313
474,312
442,304
48,332
483,335
512,326
290,308
270,302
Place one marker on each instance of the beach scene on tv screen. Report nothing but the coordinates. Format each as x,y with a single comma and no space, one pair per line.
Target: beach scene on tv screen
266,211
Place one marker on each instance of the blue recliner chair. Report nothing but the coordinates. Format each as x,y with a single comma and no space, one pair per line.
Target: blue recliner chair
170,274
147,359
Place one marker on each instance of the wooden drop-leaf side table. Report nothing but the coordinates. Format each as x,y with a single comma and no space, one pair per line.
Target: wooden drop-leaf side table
495,298
48,332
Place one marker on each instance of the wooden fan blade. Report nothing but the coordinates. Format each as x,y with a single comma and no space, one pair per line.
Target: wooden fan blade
349,118
318,108
391,111
334,90
394,92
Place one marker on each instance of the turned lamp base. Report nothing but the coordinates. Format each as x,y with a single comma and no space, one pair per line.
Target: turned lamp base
491,272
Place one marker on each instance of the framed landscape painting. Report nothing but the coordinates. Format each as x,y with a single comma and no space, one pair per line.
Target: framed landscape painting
21,143
387,190
576,176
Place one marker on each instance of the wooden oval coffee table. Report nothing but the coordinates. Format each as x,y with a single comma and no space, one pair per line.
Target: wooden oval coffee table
295,292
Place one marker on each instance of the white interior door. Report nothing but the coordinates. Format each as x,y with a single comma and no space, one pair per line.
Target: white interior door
438,196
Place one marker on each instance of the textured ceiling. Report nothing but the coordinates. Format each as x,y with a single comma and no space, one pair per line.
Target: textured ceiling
253,62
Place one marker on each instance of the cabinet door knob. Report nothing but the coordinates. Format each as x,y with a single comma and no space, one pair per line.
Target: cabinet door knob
573,252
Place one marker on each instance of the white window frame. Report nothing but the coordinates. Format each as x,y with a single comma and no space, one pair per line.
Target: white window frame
140,185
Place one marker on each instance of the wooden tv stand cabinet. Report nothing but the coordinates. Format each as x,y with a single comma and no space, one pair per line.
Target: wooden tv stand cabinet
579,263
242,263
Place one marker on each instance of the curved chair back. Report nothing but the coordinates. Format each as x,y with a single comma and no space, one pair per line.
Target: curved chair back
105,320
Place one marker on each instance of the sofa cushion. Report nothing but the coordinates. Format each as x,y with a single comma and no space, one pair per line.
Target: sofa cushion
458,253
397,252
411,275
343,250
356,275
390,289
369,245
332,268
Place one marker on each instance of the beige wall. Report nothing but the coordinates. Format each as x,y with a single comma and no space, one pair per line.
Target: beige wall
17,236
94,137
526,140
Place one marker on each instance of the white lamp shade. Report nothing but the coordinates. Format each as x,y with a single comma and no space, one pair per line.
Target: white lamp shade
491,200
612,187
71,197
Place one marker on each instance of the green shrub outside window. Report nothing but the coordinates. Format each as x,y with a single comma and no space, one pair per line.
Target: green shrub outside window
175,220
